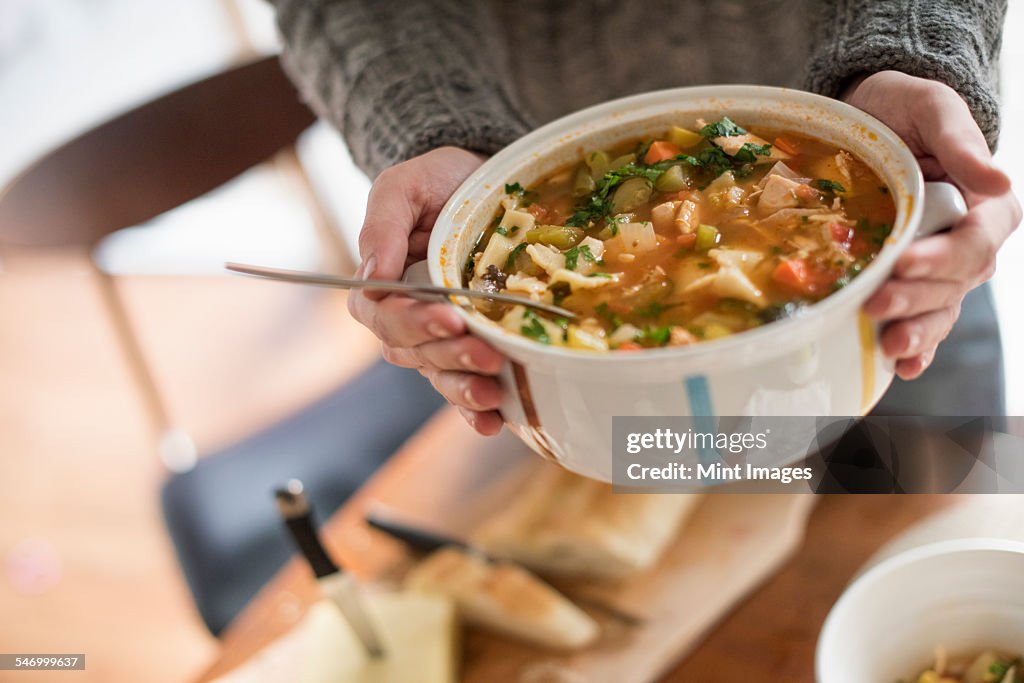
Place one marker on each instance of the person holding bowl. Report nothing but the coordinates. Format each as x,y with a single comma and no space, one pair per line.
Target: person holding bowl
424,90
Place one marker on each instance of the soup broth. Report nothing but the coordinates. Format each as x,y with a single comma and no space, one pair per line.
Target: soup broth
696,234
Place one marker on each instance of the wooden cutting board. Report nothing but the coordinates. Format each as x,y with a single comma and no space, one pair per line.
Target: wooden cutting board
448,478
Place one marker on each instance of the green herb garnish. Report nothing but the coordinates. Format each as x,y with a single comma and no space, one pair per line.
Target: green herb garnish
559,291
572,256
613,318
826,185
723,128
750,151
657,336
512,255
533,328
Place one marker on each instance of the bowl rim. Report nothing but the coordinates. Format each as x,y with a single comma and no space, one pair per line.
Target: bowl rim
558,134
870,578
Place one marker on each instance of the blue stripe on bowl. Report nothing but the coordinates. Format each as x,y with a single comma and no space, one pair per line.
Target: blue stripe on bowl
699,394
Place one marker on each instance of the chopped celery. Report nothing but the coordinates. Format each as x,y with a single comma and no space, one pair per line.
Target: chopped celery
630,195
598,163
582,182
672,180
558,236
707,236
683,138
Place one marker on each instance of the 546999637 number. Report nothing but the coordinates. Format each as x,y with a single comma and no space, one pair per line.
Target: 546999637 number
42,662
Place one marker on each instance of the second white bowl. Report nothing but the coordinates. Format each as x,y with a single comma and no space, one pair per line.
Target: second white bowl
965,595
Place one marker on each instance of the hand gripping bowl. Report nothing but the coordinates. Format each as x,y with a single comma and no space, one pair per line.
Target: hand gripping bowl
827,362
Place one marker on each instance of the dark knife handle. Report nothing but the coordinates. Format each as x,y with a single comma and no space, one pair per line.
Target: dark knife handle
298,518
417,538
309,544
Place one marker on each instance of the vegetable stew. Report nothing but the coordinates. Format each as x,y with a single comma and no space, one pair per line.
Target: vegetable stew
697,234
988,667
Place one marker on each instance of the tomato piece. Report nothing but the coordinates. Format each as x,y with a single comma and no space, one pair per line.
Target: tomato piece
629,346
619,307
843,234
804,277
660,150
539,212
687,240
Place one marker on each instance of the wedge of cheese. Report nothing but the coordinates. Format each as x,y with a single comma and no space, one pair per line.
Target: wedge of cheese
565,524
419,632
504,597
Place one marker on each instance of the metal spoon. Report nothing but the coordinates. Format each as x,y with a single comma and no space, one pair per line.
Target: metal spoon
433,292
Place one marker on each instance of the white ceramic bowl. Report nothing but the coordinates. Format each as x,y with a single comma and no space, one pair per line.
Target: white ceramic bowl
560,401
965,595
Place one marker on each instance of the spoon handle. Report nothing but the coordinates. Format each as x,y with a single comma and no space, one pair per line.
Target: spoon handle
436,291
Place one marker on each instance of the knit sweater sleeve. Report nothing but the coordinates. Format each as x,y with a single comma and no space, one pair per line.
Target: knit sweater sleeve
401,78
956,42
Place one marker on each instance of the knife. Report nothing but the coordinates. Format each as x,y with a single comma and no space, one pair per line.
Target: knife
425,541
335,583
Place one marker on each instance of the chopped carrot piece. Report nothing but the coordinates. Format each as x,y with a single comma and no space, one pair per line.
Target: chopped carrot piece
628,346
786,145
687,240
660,150
619,307
804,277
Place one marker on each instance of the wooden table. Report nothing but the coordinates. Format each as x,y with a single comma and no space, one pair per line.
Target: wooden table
439,475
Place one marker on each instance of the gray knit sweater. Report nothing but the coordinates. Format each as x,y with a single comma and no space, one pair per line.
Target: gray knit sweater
401,77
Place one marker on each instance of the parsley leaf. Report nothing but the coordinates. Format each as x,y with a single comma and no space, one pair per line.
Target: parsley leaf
613,318
518,190
533,328
749,152
559,291
653,309
572,256
501,231
656,336
512,255
826,185
725,128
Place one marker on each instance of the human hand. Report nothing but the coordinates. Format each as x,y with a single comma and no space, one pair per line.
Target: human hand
404,202
921,301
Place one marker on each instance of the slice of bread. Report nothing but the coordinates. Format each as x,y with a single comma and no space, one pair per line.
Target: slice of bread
504,597
565,524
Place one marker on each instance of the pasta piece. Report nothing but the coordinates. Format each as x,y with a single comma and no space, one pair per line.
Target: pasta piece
529,285
732,144
741,258
730,281
577,281
522,321
778,193
548,258
517,223
723,192
495,254
634,238
581,338
624,333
